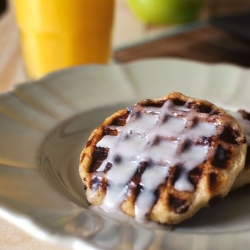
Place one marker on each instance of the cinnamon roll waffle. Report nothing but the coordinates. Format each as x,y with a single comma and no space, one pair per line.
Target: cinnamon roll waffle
163,159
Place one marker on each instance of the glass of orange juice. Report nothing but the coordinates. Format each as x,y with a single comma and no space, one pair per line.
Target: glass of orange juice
57,34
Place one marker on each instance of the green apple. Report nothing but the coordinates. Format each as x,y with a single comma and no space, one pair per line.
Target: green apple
165,11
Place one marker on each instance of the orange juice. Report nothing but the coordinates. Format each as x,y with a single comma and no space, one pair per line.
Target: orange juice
56,34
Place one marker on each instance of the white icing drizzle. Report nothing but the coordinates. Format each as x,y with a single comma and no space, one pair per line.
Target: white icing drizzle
153,136
173,126
150,180
202,128
164,152
143,204
194,156
114,197
183,184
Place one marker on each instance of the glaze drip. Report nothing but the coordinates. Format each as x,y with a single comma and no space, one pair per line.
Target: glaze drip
164,137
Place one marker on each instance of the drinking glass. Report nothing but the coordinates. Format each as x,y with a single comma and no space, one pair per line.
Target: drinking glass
57,34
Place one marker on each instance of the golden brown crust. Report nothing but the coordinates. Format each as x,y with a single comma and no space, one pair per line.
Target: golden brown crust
212,179
243,177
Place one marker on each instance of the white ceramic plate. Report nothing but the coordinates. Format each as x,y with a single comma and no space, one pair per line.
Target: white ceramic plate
44,126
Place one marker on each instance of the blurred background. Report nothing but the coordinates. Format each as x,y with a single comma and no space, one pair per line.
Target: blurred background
218,33
129,28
